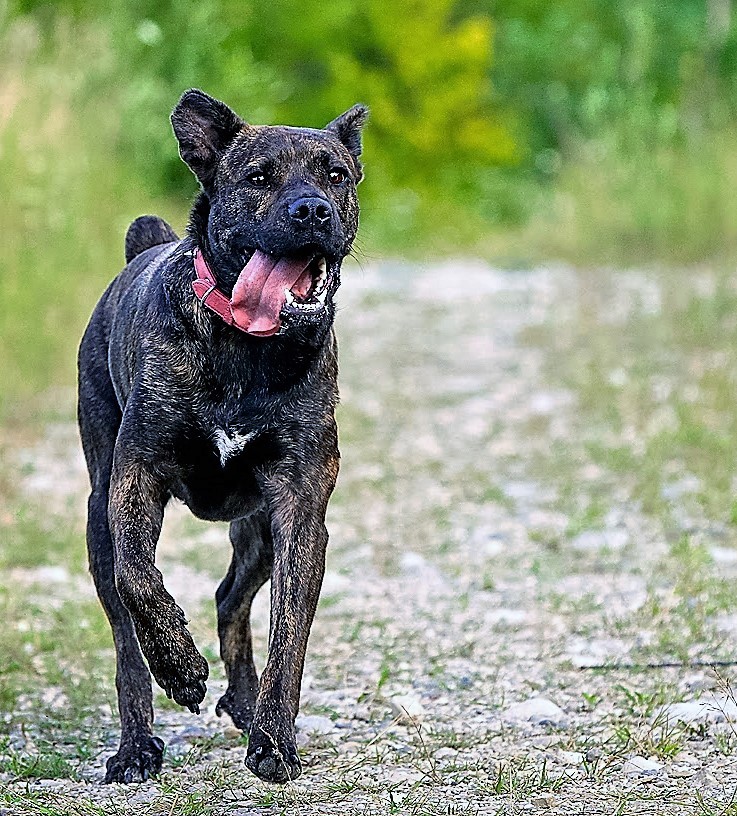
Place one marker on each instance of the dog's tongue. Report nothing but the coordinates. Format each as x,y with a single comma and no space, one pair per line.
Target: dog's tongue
260,291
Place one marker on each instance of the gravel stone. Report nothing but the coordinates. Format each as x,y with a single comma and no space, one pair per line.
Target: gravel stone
314,724
485,547
407,708
641,766
537,710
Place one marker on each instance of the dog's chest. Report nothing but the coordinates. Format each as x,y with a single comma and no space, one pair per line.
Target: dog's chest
230,442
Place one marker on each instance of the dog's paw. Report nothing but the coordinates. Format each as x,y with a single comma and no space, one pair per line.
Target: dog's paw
270,759
238,707
136,762
181,671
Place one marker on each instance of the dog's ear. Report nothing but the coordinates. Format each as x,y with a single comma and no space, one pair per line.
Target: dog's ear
347,127
204,128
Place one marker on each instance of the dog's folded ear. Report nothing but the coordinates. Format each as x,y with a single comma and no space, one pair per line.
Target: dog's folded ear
204,128
347,127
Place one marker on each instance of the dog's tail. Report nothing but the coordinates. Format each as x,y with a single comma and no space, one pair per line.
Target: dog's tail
145,232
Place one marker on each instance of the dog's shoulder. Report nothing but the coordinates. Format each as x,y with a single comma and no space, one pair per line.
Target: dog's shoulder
145,232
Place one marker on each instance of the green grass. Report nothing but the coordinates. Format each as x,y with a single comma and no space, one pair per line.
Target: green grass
628,196
657,394
631,196
65,202
64,647
30,541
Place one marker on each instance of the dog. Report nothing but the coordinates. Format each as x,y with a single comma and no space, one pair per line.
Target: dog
208,373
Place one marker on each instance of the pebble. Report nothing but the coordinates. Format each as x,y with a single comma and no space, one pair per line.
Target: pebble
726,556
709,709
705,781
594,755
641,766
545,740
570,757
399,775
231,732
537,710
407,708
508,618
593,540
446,753
314,724
544,800
675,491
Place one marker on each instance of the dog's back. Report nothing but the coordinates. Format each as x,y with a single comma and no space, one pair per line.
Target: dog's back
145,232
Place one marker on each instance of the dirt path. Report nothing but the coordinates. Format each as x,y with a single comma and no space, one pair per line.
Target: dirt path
533,516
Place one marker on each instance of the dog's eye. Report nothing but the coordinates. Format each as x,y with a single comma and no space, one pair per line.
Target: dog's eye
256,179
337,176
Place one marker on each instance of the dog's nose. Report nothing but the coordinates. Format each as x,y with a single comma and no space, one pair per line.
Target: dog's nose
310,211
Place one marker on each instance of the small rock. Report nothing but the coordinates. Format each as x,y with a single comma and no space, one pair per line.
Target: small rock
705,781
545,740
587,652
334,583
407,708
594,540
231,732
412,562
696,681
675,491
686,713
51,783
641,766
537,710
709,709
361,712
570,757
594,755
314,724
446,753
399,775
681,771
508,618
544,800
726,556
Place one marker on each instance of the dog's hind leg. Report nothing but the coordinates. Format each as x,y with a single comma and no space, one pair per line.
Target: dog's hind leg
249,570
140,753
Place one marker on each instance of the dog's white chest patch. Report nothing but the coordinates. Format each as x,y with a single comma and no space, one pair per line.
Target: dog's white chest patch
231,443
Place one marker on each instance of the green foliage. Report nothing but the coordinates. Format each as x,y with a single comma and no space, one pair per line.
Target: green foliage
582,129
424,71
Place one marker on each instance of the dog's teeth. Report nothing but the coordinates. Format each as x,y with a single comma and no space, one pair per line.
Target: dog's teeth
322,266
289,296
322,295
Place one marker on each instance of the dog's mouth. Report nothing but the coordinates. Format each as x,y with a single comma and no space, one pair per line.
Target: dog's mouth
268,287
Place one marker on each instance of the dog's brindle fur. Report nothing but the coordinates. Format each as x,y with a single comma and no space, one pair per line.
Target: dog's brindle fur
174,402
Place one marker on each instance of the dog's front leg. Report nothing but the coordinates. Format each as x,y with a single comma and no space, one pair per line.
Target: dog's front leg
297,501
136,511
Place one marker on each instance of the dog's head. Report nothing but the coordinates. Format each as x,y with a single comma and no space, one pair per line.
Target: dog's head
283,209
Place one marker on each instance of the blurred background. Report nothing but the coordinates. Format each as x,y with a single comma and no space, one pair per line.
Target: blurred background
538,354
581,130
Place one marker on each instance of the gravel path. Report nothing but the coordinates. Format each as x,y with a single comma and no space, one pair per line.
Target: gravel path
514,618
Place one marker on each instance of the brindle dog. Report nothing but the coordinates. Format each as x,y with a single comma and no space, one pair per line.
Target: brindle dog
221,394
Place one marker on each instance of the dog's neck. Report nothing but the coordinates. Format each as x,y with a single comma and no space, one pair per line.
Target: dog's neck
197,229
270,361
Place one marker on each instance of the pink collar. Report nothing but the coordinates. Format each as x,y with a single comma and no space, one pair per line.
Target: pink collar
207,292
